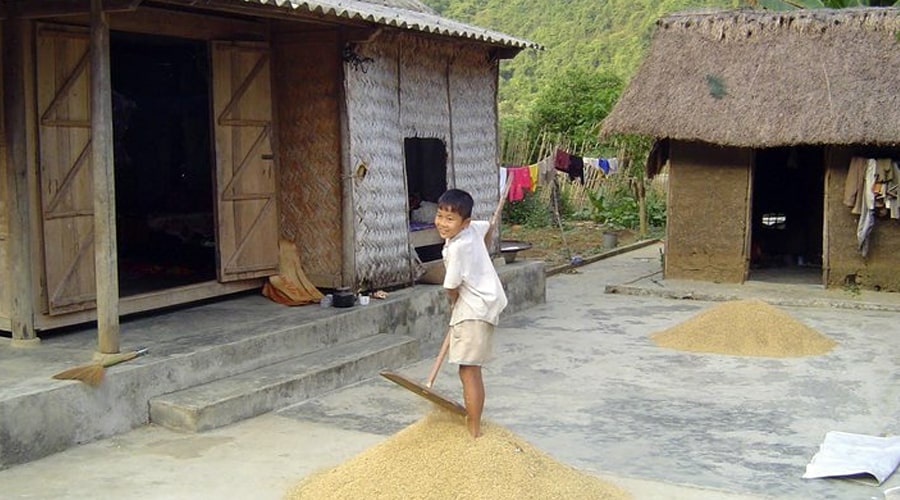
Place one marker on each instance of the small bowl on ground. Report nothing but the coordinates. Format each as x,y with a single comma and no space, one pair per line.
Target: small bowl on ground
509,249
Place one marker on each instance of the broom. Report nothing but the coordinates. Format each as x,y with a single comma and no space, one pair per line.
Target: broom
92,374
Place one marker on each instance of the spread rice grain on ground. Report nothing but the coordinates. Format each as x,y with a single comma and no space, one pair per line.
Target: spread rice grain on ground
435,458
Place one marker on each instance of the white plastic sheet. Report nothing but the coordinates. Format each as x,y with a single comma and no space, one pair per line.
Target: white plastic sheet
846,454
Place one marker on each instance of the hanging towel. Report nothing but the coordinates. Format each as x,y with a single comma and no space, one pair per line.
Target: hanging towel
534,172
520,182
546,170
854,184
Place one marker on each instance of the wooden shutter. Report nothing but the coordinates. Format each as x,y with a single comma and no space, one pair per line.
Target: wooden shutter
64,136
247,215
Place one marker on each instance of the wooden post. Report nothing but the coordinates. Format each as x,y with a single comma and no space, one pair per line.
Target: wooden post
20,254
105,251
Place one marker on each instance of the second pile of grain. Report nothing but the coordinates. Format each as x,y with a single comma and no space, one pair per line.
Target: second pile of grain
745,328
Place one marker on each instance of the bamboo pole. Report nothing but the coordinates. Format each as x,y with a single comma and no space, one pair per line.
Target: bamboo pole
105,250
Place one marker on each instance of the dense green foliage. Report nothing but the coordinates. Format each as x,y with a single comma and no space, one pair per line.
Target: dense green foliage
594,37
575,103
602,37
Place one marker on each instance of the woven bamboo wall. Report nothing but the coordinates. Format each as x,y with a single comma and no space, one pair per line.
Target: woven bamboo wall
307,86
379,198
415,87
473,105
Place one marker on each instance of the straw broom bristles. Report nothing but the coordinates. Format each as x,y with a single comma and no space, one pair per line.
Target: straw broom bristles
92,374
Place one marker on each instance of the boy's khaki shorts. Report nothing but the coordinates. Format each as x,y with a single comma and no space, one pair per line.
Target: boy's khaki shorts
471,342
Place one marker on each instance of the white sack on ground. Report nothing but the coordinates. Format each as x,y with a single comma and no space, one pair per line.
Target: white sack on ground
846,454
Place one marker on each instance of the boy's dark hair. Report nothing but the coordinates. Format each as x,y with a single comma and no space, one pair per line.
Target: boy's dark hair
457,200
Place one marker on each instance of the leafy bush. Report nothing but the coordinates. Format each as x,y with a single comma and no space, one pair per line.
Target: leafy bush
530,211
615,210
619,210
656,209
533,211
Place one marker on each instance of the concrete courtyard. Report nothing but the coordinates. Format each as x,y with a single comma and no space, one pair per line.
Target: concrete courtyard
578,377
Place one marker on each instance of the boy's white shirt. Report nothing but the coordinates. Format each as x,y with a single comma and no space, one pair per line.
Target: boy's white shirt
470,270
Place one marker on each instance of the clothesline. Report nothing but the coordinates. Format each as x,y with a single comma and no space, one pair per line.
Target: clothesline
529,177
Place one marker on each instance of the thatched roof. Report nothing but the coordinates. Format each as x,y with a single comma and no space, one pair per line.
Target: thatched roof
761,79
409,15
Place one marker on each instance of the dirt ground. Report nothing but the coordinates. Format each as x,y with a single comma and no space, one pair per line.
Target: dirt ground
555,247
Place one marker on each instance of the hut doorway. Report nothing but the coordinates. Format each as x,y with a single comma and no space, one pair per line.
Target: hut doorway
787,215
163,162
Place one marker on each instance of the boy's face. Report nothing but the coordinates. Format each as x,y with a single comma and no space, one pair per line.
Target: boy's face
449,223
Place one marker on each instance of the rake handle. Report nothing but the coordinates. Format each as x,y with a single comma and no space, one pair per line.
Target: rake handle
436,367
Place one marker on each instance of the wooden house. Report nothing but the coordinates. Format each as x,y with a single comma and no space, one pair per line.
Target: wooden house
759,116
154,152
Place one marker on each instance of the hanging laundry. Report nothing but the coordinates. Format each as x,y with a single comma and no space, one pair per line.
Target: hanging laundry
576,168
613,165
867,217
561,161
546,170
854,184
520,182
604,166
534,172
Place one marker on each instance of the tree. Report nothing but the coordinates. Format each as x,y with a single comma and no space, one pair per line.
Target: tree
576,103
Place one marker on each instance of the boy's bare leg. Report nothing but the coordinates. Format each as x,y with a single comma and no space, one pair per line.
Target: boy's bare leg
473,396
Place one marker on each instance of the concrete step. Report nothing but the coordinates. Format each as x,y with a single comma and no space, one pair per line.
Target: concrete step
251,393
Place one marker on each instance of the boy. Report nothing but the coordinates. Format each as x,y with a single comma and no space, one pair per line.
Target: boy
475,292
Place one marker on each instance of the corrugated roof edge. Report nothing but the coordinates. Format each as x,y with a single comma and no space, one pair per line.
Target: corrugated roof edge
401,18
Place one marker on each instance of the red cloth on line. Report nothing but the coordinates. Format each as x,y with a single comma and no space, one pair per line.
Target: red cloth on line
520,182
561,161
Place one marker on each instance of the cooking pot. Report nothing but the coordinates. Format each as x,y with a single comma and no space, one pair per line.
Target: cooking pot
343,297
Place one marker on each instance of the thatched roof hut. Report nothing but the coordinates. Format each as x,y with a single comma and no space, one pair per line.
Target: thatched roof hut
763,79
759,115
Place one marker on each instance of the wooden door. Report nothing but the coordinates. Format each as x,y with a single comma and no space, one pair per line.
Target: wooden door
246,208
64,156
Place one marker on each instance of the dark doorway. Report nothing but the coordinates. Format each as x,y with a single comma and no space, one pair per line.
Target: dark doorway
426,181
163,162
788,199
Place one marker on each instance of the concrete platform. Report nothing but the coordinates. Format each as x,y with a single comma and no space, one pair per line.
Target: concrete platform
231,341
579,378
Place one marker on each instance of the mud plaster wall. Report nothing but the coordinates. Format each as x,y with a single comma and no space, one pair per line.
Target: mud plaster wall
707,212
880,270
307,83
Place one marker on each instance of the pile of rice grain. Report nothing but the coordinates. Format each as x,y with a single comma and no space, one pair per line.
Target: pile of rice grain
435,458
745,328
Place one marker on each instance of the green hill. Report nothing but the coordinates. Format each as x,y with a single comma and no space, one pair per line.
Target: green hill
608,36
